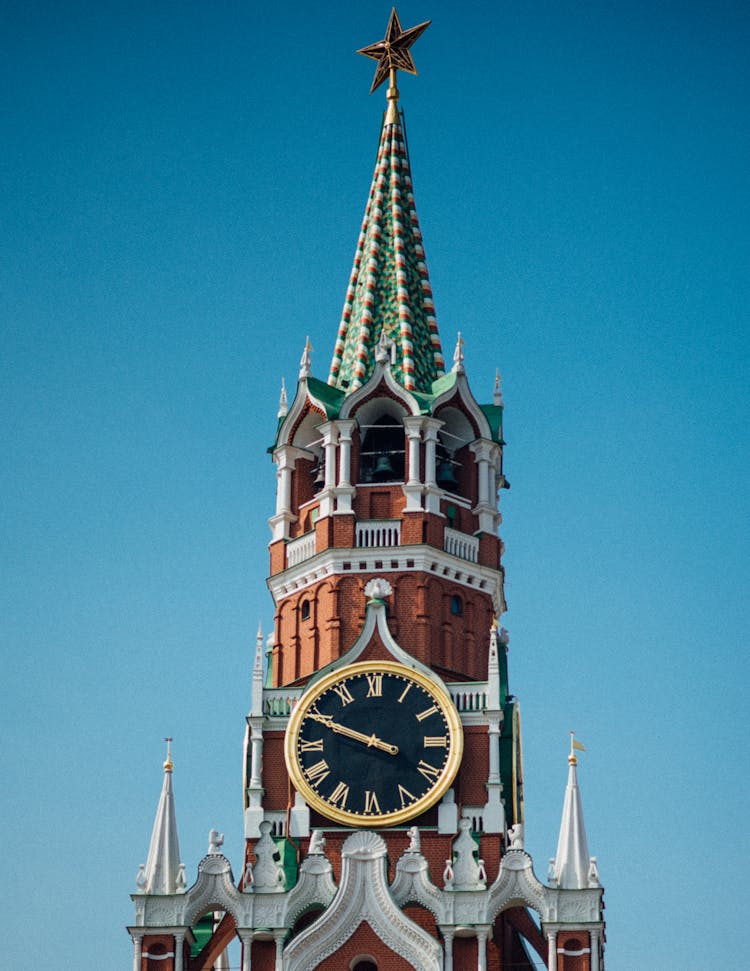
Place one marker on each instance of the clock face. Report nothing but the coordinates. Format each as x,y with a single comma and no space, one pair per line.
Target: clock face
373,743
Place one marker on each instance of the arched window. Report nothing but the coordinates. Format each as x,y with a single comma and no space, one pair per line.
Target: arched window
382,458
457,605
364,964
305,610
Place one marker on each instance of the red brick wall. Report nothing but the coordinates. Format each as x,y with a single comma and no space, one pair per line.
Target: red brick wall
420,619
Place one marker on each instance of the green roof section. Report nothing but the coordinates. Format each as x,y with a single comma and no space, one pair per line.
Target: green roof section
331,398
389,298
494,416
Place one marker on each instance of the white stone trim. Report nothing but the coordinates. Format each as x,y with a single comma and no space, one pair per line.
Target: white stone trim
423,558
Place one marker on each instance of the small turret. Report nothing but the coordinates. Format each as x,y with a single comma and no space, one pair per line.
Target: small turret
572,866
163,872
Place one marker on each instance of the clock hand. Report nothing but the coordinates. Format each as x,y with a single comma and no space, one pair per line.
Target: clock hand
372,741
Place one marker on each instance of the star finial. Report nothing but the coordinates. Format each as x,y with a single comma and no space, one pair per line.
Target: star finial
392,53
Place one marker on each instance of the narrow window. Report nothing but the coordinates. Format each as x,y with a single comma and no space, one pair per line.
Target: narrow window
305,610
457,605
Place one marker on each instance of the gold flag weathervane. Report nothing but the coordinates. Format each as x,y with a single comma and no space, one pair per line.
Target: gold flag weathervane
575,745
393,54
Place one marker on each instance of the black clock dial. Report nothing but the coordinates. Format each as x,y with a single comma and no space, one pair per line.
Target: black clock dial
373,743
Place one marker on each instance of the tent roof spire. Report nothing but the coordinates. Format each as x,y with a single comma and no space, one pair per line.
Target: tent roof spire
162,872
389,287
572,862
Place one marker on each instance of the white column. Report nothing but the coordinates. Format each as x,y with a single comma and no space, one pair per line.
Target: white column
413,426
278,936
345,489
413,486
483,481
256,756
178,942
482,934
247,943
432,490
552,949
494,742
137,951
594,950
330,438
285,465
482,450
448,938
345,451
284,457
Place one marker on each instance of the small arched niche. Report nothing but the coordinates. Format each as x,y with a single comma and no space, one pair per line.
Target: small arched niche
364,962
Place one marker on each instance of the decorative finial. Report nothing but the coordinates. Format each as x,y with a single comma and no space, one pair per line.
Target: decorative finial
283,403
497,395
575,745
392,54
305,360
385,348
215,841
458,355
168,764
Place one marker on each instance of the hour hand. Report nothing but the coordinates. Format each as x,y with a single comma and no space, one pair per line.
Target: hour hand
371,741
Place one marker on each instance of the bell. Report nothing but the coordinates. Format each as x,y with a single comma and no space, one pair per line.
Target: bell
383,471
319,477
446,477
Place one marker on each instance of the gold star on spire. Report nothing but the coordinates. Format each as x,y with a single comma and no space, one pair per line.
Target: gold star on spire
392,54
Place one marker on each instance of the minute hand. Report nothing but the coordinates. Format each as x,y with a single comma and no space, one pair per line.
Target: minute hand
372,741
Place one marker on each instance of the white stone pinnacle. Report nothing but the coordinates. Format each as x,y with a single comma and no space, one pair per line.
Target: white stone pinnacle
162,870
571,868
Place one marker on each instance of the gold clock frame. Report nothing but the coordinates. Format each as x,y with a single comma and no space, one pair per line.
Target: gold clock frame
311,695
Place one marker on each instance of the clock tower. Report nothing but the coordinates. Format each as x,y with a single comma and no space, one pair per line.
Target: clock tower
384,809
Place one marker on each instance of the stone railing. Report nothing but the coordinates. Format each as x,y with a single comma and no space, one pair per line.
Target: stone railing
462,545
378,532
278,702
469,696
300,549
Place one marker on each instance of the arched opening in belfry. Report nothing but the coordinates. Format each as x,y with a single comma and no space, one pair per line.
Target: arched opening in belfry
383,456
451,453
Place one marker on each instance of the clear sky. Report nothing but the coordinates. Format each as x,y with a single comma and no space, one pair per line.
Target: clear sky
181,187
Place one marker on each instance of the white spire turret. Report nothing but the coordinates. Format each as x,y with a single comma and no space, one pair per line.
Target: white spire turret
283,401
572,862
497,394
458,356
305,363
163,872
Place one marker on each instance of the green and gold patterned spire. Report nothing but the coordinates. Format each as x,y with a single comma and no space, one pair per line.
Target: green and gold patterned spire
389,289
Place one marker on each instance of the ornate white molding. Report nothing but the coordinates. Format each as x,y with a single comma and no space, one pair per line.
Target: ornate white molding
363,896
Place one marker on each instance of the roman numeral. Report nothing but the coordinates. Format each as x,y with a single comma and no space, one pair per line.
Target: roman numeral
316,773
436,741
406,796
339,795
405,692
315,746
374,685
371,802
426,713
344,694
428,771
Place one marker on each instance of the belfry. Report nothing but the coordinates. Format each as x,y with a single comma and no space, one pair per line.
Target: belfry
384,805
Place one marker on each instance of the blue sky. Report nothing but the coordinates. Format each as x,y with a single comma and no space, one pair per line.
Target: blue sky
181,187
